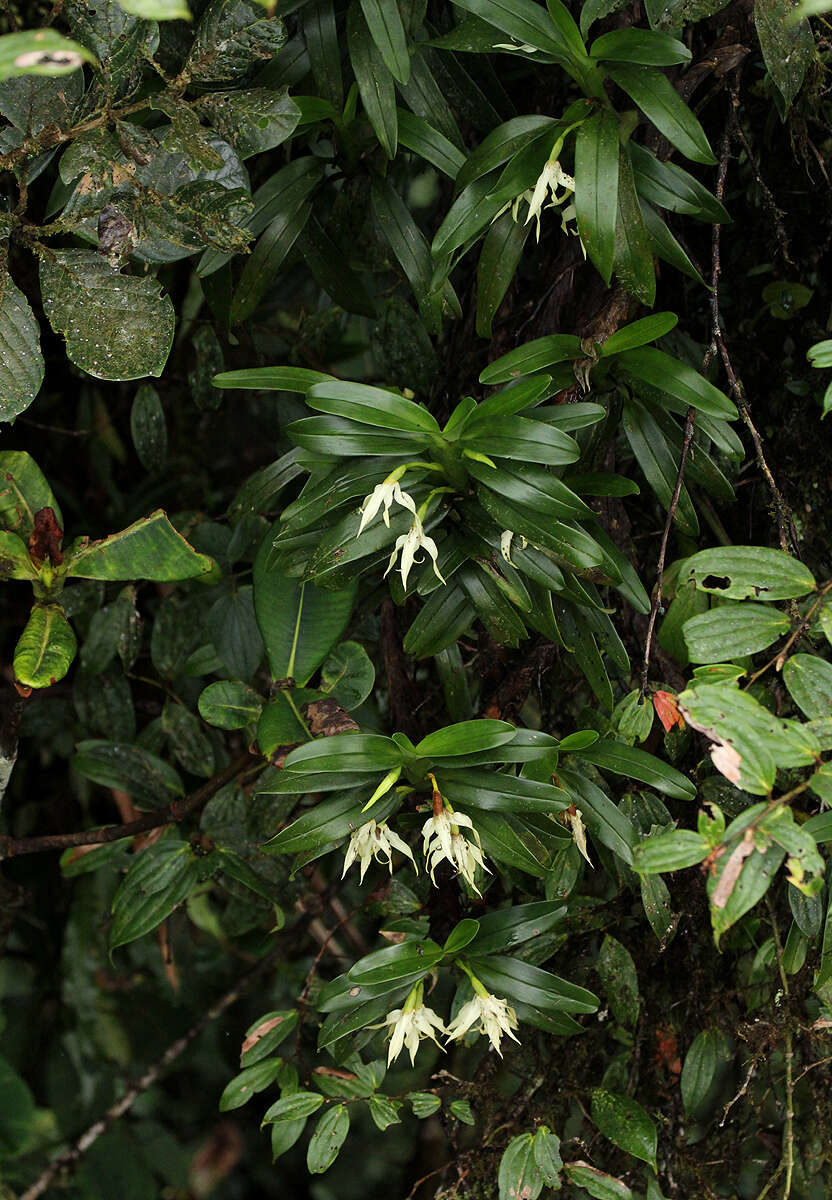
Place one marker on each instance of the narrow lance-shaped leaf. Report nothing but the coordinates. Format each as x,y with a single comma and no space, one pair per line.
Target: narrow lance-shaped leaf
661,103
596,188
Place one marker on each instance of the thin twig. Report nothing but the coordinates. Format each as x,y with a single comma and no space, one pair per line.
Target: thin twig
10,847
787,1157
656,604
68,1161
786,532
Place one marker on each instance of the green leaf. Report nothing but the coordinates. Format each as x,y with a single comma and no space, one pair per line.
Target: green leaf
626,1124
498,792
501,144
15,561
546,1149
293,1107
733,630
266,1034
418,135
638,764
279,723
444,618
787,44
40,52
734,890
460,936
191,746
384,1112
809,680
670,851
150,782
670,186
468,737
596,187
710,1051
604,820
503,928
329,821
161,877
657,462
747,573
157,10
387,31
375,82
263,264
116,326
638,333
348,675
148,429
23,492
18,1115
519,1174
526,22
633,257
618,975
45,648
326,261
372,406
533,356
21,362
232,37
505,976
253,120
461,1110
320,33
645,47
232,627
149,549
299,622
662,104
501,252
251,1080
277,379
424,1104
670,375
511,840
473,209
597,1183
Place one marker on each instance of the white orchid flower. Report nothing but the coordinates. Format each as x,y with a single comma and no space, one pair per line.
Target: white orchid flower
489,1014
572,817
386,493
409,543
372,841
410,1024
443,841
548,181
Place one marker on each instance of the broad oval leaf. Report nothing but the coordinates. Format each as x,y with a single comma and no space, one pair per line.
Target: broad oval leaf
116,326
45,648
626,1124
21,362
747,573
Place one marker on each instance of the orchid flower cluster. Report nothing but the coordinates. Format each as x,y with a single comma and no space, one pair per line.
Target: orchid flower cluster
484,1013
442,841
385,494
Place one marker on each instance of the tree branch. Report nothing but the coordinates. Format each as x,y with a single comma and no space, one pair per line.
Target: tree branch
10,847
68,1161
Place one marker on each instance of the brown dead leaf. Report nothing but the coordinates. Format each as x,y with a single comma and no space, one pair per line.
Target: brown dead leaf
731,870
326,717
727,761
46,538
